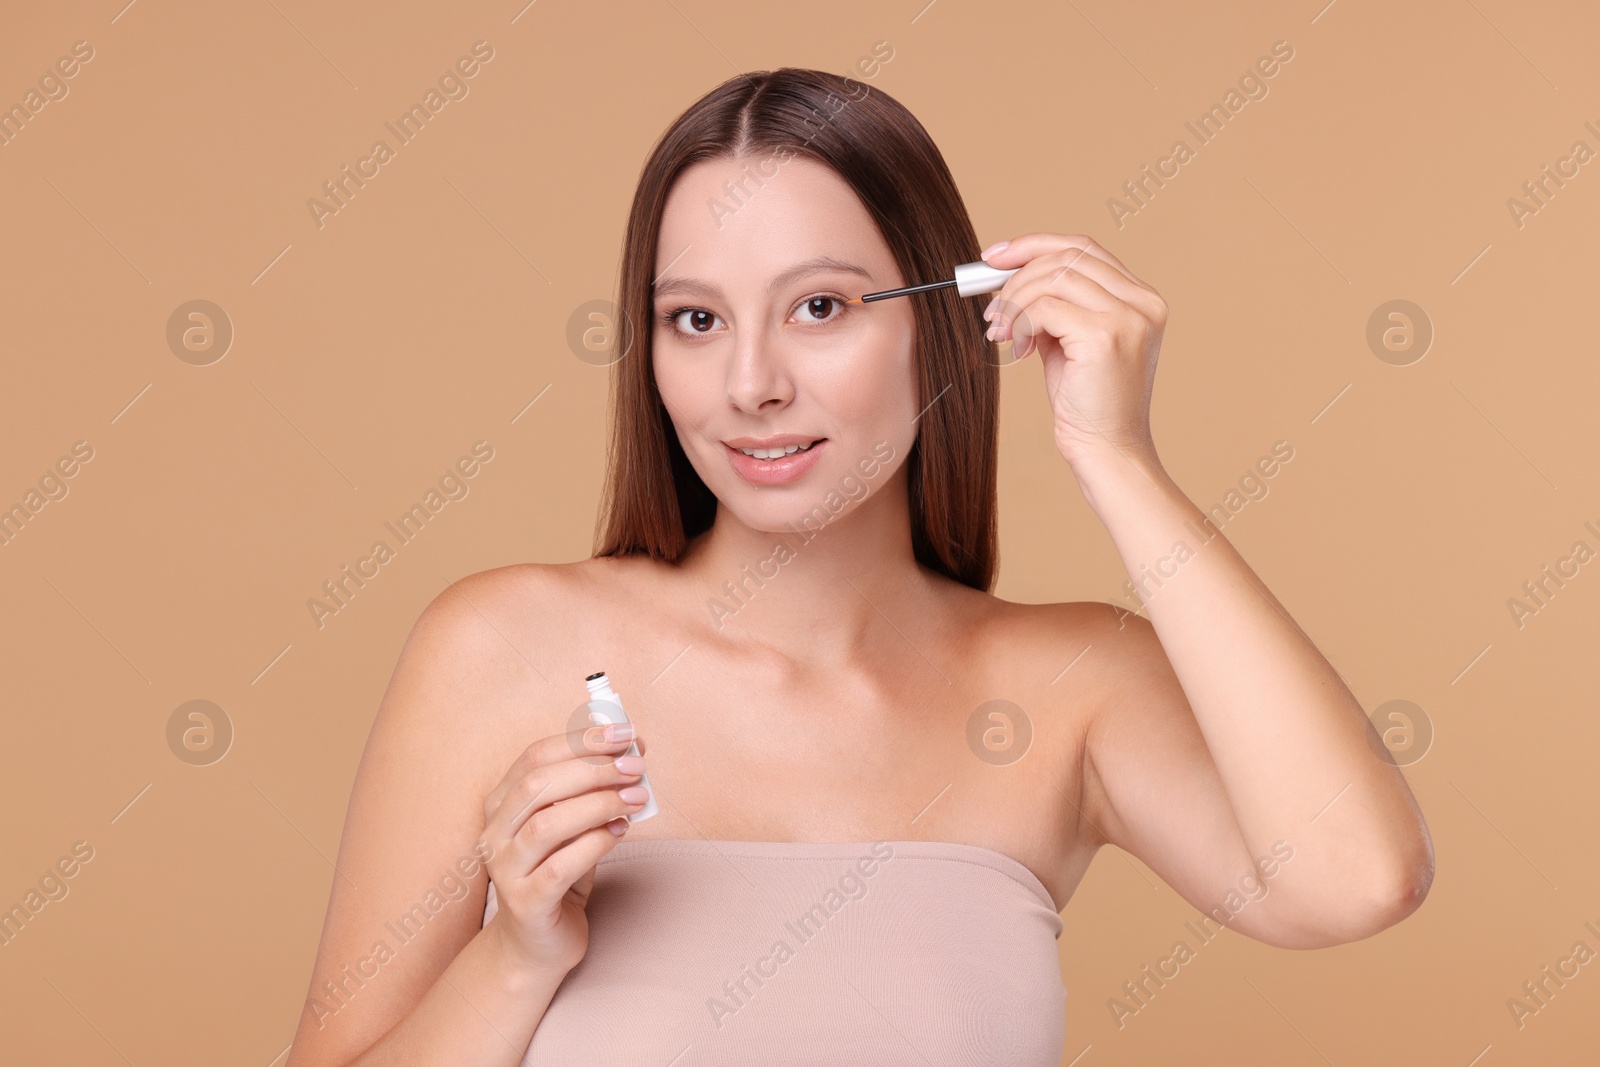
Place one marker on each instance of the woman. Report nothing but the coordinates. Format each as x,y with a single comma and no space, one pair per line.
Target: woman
878,784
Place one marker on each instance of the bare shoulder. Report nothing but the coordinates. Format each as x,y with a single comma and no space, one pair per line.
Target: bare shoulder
470,609
501,649
486,640
1089,641
486,620
549,584
437,745
1102,668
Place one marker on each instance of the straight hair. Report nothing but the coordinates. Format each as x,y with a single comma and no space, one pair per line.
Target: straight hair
654,502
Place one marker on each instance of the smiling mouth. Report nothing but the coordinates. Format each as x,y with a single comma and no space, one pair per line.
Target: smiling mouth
778,453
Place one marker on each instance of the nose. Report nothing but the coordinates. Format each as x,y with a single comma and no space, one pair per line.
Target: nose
758,376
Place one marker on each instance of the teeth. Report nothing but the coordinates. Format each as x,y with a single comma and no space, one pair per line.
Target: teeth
774,453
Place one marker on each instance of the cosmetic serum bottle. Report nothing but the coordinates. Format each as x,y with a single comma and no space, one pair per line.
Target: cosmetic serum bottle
970,279
606,707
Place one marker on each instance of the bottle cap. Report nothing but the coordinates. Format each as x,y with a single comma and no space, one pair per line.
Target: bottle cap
973,279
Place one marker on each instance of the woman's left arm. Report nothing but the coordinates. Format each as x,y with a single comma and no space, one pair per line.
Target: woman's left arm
1289,741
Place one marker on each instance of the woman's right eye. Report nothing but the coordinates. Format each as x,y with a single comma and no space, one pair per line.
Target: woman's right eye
690,320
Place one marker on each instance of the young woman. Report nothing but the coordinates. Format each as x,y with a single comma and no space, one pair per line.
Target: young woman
878,783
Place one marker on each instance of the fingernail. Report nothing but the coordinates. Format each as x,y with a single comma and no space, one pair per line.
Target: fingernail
618,826
998,246
629,764
634,794
994,305
619,731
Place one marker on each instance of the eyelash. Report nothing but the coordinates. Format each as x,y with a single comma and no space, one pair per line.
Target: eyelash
669,318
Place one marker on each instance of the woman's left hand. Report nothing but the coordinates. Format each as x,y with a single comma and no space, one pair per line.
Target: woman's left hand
1097,330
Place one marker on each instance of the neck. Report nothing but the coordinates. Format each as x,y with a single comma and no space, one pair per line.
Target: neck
841,584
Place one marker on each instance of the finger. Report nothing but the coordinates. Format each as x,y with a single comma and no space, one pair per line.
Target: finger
1052,267
1018,316
549,828
1053,315
570,865
1032,245
585,883
583,742
1041,278
538,815
542,786
1069,261
1026,246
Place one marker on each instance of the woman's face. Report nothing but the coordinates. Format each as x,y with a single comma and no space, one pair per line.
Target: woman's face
753,341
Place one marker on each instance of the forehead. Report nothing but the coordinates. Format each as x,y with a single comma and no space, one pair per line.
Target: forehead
785,212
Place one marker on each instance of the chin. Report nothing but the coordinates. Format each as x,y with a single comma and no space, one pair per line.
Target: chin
786,518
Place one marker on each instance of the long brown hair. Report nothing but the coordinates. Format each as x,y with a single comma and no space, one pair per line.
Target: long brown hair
654,501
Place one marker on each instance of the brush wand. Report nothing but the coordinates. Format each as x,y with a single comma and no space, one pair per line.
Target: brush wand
972,279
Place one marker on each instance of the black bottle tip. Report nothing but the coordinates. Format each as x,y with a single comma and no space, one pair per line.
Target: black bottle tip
596,674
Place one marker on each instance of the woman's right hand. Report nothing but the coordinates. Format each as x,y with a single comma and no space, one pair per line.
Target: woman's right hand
548,823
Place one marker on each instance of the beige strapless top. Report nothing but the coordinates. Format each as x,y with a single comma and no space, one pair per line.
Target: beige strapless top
769,952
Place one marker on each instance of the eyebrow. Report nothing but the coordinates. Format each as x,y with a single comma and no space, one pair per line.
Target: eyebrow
814,265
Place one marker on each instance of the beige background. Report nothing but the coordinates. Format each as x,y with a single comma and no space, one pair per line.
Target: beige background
428,313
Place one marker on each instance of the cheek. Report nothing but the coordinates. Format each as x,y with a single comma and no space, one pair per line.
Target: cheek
684,384
873,404
863,370
881,388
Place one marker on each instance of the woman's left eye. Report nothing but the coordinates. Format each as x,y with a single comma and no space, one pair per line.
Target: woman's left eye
821,306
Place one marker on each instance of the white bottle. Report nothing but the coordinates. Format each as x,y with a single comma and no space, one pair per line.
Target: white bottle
606,707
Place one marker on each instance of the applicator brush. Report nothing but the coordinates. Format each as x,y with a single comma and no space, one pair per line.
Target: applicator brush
972,279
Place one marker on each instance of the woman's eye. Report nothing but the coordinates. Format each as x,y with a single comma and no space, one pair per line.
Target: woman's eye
814,310
693,320
821,307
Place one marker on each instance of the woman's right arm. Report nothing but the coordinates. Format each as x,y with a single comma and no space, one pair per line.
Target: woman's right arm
404,975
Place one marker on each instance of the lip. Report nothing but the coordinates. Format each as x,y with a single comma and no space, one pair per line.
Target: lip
781,440
774,471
